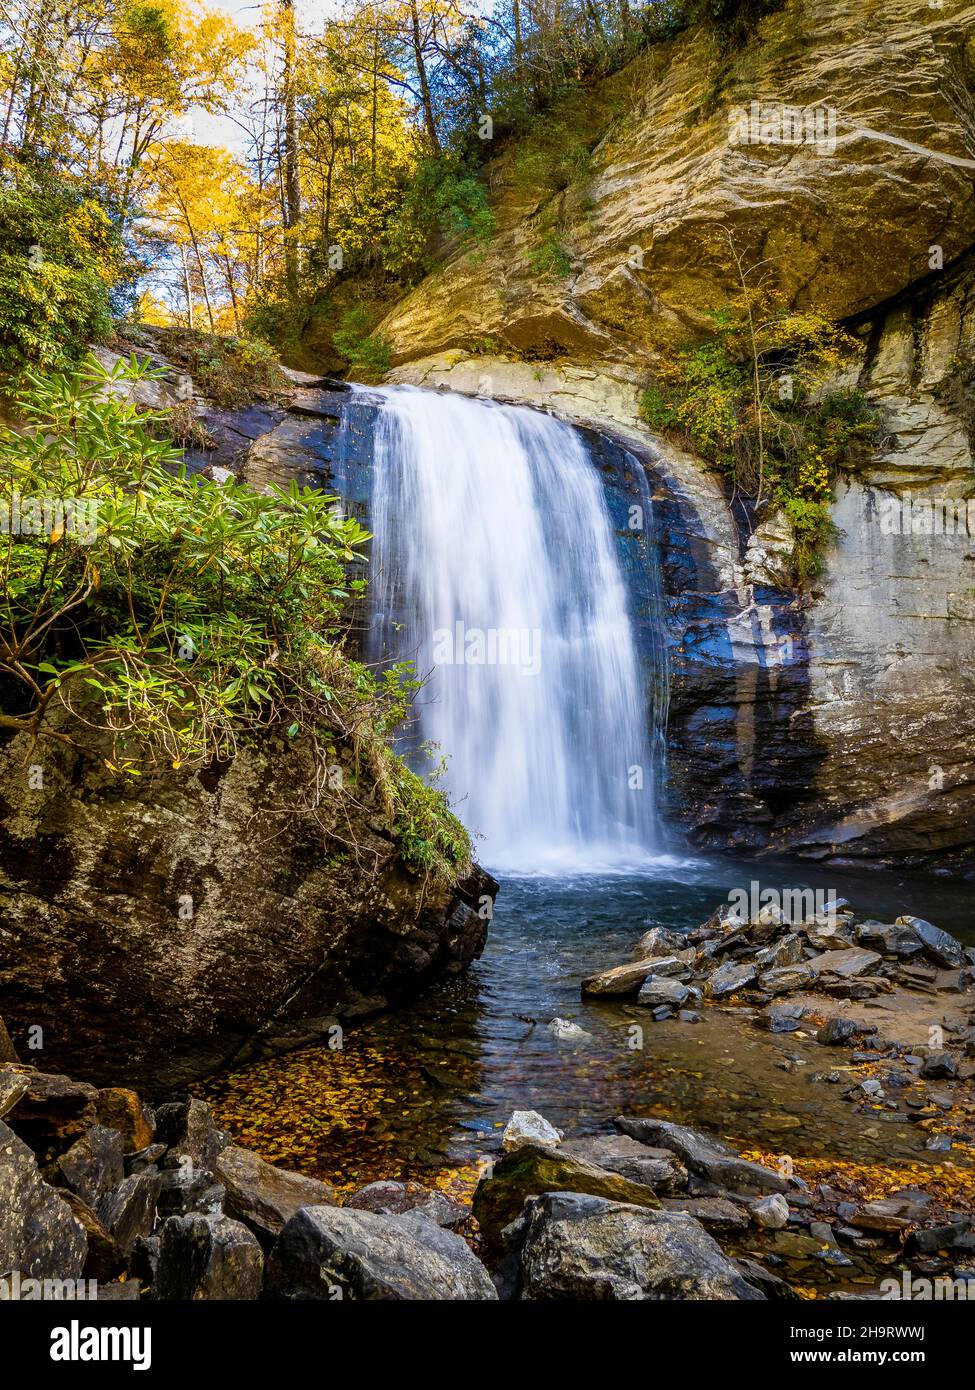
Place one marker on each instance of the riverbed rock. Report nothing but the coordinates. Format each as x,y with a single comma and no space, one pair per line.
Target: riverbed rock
582,1247
619,980
39,1233
527,1127
704,1156
847,964
103,1259
837,1031
651,1167
565,1030
729,979
329,1252
388,1198
787,978
771,1212
204,1258
190,1136
657,991
501,1195
263,1196
938,945
660,941
130,1210
893,939
52,1110
93,1164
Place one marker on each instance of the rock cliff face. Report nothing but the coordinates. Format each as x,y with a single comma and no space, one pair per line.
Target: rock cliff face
155,930
838,723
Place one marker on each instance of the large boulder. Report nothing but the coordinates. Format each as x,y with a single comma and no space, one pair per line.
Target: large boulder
333,1252
164,945
581,1247
943,949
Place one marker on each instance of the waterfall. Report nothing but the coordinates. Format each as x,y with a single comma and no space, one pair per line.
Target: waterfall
495,569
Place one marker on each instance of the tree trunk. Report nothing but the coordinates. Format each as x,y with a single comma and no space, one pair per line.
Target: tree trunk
429,119
292,177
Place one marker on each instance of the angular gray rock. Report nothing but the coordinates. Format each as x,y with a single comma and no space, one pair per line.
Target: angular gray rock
207,1257
658,990
39,1234
388,1198
130,1211
264,1197
847,964
586,1248
729,978
893,938
658,1168
704,1156
938,946
334,1252
94,1164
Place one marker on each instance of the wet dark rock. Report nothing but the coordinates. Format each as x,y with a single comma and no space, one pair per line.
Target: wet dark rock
848,964
121,1109
704,1156
94,1164
184,1190
938,946
653,1167
583,1247
53,1110
836,1031
39,1233
207,1257
937,1065
893,939
8,1053
781,1017
657,992
396,1198
729,978
190,1136
714,1213
262,1196
329,1252
130,1211
103,1259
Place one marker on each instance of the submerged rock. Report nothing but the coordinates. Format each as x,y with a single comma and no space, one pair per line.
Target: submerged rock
583,1247
564,1030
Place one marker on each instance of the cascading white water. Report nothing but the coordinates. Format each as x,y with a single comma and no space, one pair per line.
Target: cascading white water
495,570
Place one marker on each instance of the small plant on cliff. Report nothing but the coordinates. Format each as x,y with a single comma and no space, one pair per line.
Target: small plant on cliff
165,619
367,353
754,399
